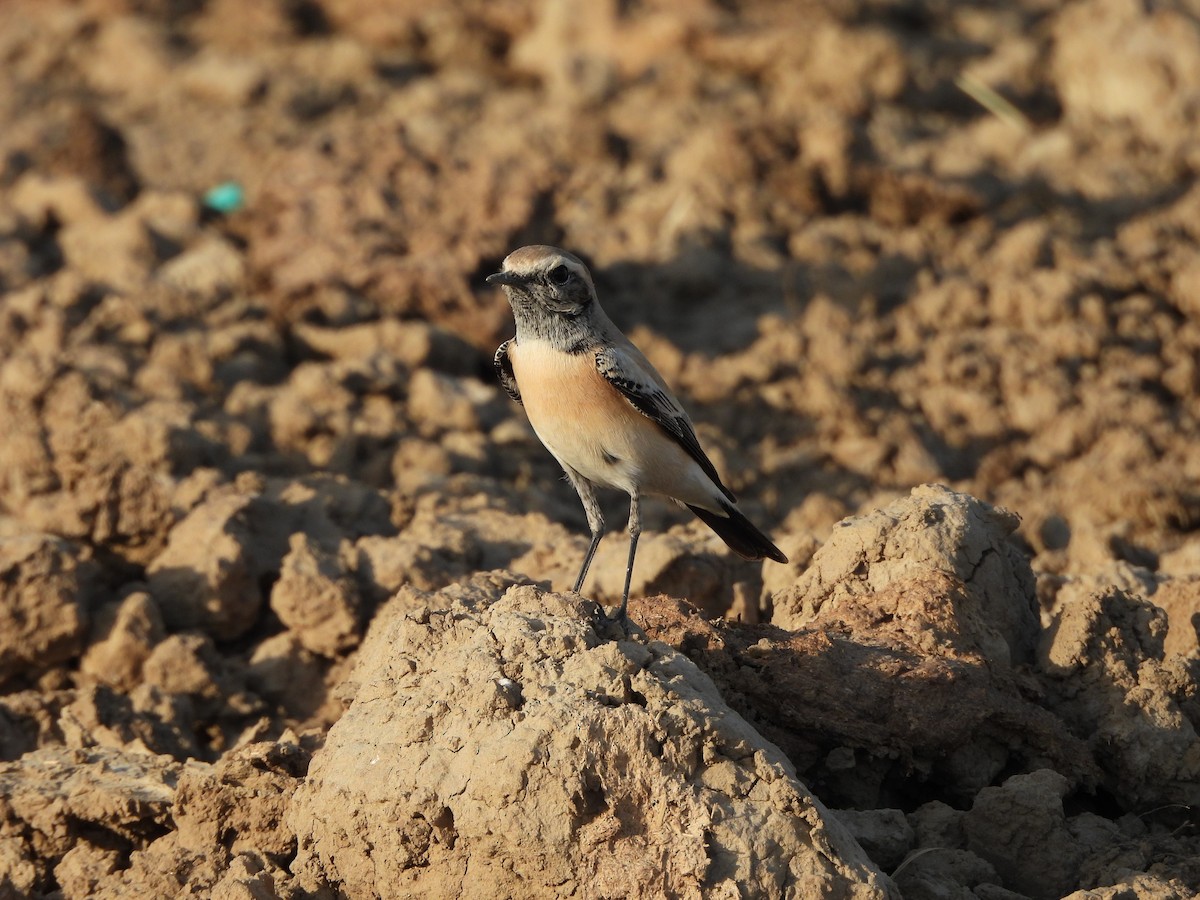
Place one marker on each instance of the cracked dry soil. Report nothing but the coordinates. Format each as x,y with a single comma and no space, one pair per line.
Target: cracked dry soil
278,557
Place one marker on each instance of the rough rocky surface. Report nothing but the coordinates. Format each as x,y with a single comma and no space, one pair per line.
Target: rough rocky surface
924,274
626,769
899,553
1106,669
44,599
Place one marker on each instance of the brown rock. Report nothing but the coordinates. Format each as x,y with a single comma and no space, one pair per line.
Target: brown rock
942,873
20,871
691,563
1102,664
223,79
416,345
799,548
1138,84
221,813
211,573
188,680
1180,599
147,720
866,714
419,464
1020,828
281,670
317,599
937,824
117,252
883,833
449,538
163,869
172,215
628,772
127,54
55,796
209,269
1139,886
933,534
336,414
44,591
247,878
66,198
186,664
83,869
205,577
29,719
124,633
439,403
238,803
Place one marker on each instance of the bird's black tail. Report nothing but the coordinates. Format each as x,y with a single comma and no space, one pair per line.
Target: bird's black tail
739,533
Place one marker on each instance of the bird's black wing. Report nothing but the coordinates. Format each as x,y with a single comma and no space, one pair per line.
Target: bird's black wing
628,375
504,371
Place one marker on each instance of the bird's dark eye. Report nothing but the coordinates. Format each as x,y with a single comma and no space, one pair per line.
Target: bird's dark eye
560,275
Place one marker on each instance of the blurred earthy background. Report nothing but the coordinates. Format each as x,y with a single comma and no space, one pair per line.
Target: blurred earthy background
246,395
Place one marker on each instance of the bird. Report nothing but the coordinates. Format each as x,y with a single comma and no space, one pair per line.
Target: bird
602,410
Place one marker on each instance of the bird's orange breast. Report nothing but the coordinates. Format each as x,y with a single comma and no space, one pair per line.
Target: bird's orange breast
565,391
590,427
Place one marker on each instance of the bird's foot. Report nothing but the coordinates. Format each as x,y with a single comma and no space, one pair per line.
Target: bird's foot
620,617
603,622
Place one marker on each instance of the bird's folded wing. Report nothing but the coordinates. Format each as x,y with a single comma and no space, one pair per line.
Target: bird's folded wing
632,377
504,371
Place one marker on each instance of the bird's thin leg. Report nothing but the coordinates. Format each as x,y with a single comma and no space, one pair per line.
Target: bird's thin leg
587,560
591,507
635,530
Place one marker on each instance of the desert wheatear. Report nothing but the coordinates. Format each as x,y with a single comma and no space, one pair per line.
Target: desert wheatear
602,410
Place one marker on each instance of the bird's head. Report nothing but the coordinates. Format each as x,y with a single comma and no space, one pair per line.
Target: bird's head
542,280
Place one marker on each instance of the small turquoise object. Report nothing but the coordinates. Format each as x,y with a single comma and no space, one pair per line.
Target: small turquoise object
227,197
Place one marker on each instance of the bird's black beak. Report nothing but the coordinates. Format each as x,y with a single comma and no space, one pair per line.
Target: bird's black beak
508,278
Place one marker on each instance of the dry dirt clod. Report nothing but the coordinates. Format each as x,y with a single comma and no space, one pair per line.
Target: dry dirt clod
883,833
1021,829
1105,668
934,532
103,823
1180,599
55,797
317,599
629,774
124,633
1141,886
44,590
149,720
871,245
205,576
283,671
941,872
903,714
238,804
920,614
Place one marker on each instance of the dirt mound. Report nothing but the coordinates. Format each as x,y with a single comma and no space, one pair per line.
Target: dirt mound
899,552
626,770
1106,672
44,601
248,424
